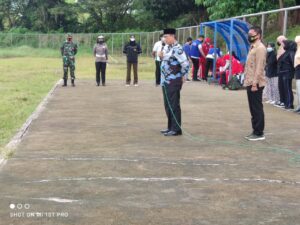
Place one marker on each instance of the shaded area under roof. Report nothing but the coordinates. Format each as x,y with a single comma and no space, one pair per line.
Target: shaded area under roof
235,34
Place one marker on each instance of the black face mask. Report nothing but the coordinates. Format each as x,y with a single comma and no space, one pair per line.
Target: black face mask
278,44
252,39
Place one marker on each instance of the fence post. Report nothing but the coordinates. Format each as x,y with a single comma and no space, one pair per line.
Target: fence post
262,25
147,49
285,22
112,43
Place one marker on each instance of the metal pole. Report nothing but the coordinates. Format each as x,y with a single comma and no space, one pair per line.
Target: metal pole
215,46
262,25
122,43
112,43
147,50
190,31
230,47
285,22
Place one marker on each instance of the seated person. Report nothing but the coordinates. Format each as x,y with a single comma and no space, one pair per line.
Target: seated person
237,68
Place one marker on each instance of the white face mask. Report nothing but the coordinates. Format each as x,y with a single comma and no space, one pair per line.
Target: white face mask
132,39
269,49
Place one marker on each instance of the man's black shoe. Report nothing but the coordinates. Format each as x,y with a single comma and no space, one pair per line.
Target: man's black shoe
173,133
164,131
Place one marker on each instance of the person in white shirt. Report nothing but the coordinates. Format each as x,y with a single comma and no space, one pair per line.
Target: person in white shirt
157,48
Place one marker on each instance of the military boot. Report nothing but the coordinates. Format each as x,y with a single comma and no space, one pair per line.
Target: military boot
73,82
65,83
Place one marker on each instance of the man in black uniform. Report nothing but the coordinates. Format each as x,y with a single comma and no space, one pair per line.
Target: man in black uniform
132,50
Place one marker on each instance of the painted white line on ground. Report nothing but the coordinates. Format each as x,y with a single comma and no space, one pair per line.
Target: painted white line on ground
152,160
166,179
54,199
23,130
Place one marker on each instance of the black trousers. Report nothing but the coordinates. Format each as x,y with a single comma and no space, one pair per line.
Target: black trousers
288,93
281,89
209,66
196,68
100,68
256,110
171,95
157,72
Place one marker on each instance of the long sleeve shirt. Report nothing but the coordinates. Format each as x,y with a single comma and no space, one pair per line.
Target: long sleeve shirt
174,65
255,65
100,52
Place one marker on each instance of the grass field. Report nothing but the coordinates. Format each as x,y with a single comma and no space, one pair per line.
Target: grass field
24,81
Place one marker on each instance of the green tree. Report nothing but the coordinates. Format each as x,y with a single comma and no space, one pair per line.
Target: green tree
219,9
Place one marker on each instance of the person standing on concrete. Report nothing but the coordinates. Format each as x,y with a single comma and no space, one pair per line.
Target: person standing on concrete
255,82
280,53
68,52
101,57
271,90
175,66
196,52
157,48
286,70
132,50
297,72
187,50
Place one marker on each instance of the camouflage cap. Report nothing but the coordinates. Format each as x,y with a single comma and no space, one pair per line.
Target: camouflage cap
69,35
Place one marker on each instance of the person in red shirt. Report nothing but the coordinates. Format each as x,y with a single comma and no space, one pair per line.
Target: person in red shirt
237,68
202,59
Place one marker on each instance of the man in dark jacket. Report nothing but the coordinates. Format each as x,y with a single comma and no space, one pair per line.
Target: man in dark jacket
286,70
132,50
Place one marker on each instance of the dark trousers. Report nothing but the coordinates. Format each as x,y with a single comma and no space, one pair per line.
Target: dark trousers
135,75
256,110
196,68
209,66
281,89
100,68
172,99
288,93
157,72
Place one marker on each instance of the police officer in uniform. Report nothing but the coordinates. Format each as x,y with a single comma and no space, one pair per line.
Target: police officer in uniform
68,52
174,67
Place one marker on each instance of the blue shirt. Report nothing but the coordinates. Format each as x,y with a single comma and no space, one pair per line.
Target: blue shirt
187,49
174,64
195,53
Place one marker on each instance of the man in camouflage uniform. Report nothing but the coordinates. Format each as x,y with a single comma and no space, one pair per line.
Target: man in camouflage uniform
68,52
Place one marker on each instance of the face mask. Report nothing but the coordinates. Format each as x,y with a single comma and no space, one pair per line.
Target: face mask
69,39
132,39
278,43
252,39
269,49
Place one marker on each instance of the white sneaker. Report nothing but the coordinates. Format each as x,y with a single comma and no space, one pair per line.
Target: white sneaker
136,85
254,137
272,102
127,85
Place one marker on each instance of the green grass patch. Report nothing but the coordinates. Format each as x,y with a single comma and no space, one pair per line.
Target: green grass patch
25,81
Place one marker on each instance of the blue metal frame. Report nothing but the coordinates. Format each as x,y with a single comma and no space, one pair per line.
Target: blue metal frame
234,32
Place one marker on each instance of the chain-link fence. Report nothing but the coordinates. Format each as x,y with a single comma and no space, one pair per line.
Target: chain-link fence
274,23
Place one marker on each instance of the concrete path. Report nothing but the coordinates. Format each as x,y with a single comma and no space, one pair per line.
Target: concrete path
95,156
